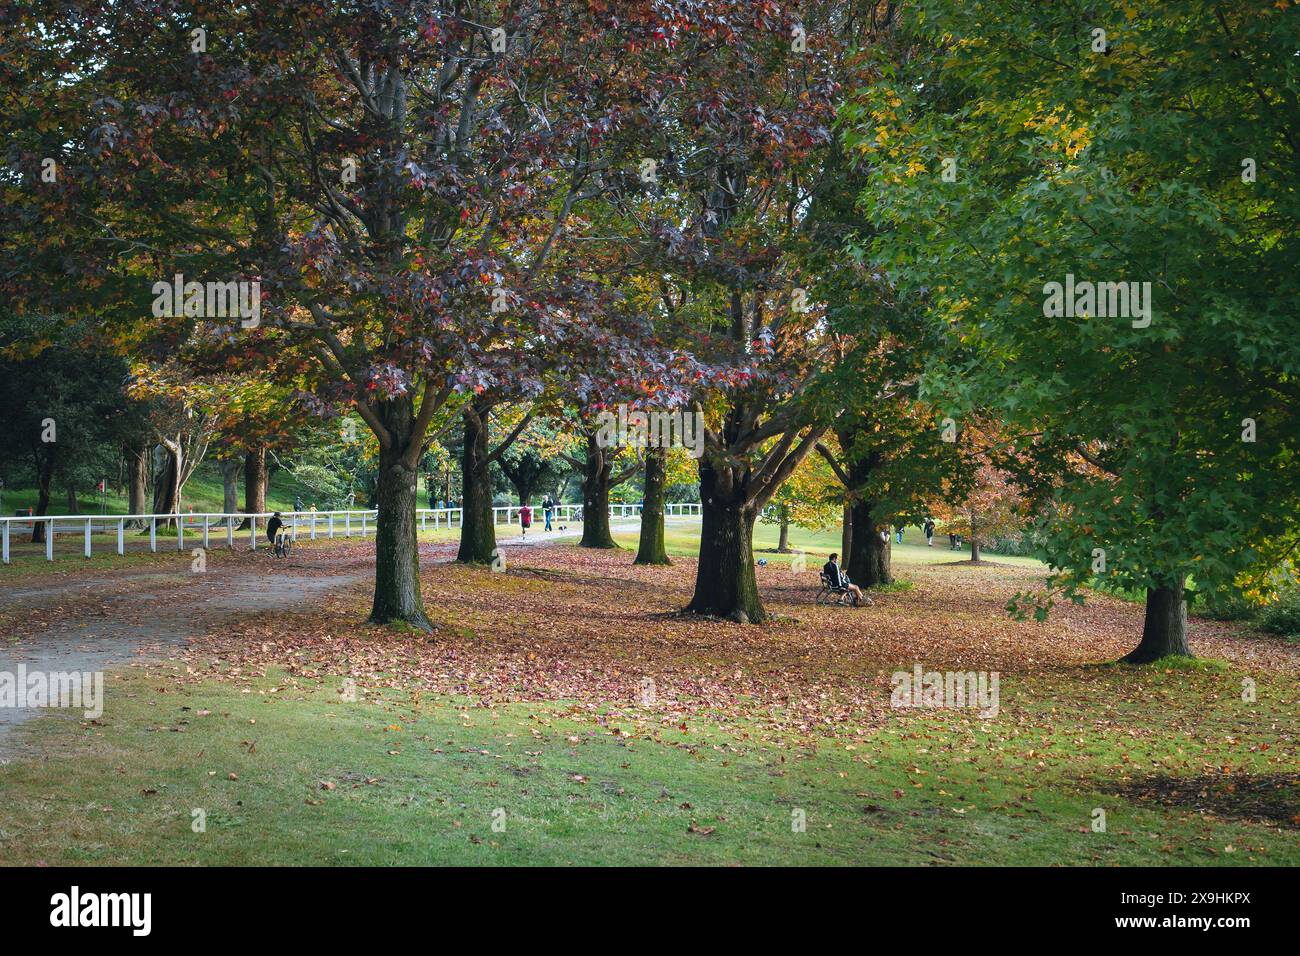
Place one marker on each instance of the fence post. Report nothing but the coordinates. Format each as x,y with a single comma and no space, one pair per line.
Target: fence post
252,530
121,536
88,537
331,524
5,545
180,532
49,540
230,534
205,532
347,524
153,533
313,526
363,524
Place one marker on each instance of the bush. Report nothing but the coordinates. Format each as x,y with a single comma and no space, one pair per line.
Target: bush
1224,604
1283,617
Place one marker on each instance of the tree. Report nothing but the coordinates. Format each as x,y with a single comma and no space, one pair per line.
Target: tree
67,414
1103,211
400,171
748,142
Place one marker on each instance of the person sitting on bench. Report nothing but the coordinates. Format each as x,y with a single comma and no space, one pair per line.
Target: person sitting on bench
839,579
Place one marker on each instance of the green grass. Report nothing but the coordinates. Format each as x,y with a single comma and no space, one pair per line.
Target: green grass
682,539
419,781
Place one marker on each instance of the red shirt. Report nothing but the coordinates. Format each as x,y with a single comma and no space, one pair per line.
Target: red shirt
526,516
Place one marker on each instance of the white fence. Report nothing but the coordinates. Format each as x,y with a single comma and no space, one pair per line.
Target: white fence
193,527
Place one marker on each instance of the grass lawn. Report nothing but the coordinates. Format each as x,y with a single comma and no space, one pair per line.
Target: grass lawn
288,772
527,709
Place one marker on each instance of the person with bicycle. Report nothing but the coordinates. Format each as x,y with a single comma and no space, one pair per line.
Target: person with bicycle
274,529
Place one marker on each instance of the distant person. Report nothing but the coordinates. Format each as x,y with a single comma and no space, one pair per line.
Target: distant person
929,532
297,503
839,579
548,509
899,529
273,527
525,518
433,502
959,540
952,541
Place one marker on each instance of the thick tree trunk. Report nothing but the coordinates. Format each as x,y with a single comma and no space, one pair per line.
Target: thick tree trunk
974,542
73,506
1164,629
397,552
725,584
137,458
230,469
255,481
478,536
595,497
868,560
524,490
650,549
166,492
867,556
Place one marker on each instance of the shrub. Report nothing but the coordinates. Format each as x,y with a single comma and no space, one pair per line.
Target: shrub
1283,616
1224,604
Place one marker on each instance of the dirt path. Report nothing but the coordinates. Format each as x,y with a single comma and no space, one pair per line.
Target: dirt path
110,619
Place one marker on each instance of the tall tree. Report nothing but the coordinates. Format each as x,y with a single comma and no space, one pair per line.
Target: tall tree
1103,210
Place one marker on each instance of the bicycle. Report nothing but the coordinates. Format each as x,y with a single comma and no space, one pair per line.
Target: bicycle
283,544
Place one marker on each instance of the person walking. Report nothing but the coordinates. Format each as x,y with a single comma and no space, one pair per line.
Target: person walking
548,508
929,532
525,518
297,502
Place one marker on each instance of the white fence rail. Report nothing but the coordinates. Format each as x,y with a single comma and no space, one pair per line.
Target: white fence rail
223,525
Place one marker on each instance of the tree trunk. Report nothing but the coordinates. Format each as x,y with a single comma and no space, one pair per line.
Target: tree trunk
1164,629
73,507
846,534
397,553
230,468
166,487
868,561
595,497
974,542
478,536
138,465
525,489
650,549
783,538
725,585
44,478
255,481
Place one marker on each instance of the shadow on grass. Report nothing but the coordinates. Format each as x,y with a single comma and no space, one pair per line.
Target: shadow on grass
1268,797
